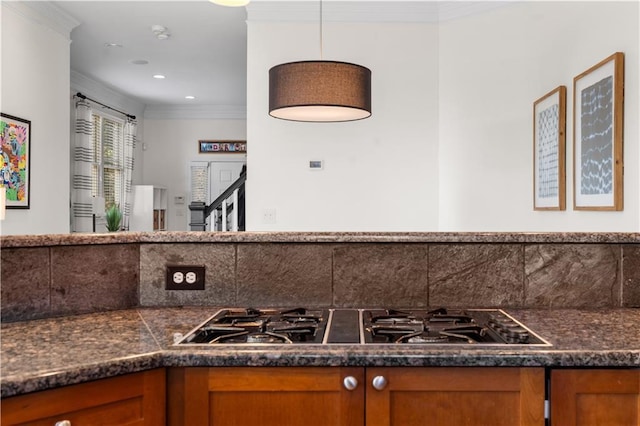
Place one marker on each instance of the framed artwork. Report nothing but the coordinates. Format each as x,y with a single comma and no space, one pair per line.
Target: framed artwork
15,144
598,100
549,130
222,147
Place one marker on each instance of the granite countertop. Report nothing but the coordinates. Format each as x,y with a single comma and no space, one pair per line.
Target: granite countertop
42,354
14,241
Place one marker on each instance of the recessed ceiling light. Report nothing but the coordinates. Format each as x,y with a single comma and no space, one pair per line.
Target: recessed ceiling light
161,32
189,97
112,45
139,62
159,76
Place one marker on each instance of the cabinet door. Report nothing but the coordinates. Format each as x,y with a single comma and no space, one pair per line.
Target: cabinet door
455,396
595,397
265,396
132,399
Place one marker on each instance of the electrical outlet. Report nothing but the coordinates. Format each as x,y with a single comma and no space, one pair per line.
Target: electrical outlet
185,277
269,216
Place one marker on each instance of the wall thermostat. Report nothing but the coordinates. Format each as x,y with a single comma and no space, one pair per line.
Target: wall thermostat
315,164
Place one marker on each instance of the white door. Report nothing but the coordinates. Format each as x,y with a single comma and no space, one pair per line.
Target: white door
221,175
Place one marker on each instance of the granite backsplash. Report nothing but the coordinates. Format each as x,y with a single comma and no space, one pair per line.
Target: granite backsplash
58,275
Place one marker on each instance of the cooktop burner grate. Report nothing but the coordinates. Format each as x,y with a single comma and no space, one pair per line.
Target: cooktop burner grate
457,327
256,326
443,326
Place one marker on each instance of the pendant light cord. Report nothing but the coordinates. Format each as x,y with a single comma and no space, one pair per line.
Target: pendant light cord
321,30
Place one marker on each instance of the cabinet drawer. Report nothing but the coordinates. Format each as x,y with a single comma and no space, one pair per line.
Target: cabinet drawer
132,399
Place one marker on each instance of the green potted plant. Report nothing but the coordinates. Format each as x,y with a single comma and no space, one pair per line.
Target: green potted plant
114,217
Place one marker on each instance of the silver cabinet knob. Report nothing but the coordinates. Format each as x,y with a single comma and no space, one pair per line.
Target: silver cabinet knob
379,382
350,383
63,423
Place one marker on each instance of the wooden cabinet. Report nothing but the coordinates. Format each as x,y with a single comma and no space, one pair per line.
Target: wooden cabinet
310,396
595,397
133,399
264,396
455,396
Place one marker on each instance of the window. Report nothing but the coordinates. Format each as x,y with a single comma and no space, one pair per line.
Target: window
199,181
107,173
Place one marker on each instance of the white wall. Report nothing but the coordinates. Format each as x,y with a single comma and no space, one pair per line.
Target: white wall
171,144
492,68
450,136
380,174
35,86
449,144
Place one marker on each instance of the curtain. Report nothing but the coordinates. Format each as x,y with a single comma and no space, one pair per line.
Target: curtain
130,130
81,199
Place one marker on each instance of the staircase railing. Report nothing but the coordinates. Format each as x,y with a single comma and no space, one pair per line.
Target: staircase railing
229,202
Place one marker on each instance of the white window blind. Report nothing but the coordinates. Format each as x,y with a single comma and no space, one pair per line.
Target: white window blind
107,172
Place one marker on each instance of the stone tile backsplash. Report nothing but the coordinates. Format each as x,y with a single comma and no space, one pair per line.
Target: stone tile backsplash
408,275
94,278
220,262
572,275
287,275
57,280
24,283
631,276
370,275
42,282
478,275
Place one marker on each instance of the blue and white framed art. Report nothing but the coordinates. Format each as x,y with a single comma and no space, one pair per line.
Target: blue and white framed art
549,130
598,102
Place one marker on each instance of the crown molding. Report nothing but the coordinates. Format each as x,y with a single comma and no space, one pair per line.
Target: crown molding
100,92
425,11
342,11
450,10
45,13
196,112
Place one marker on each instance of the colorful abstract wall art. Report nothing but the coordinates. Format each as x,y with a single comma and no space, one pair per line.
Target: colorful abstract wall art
15,143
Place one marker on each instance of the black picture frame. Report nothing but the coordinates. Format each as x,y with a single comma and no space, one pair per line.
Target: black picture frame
222,147
15,164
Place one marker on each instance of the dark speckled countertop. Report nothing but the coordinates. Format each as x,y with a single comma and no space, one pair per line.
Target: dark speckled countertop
43,354
172,237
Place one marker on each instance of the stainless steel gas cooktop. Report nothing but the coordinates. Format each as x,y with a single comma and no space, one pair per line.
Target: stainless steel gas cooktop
451,327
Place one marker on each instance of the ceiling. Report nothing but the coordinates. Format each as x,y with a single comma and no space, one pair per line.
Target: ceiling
205,55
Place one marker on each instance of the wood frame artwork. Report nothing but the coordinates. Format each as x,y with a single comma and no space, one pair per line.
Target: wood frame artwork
549,145
15,147
598,102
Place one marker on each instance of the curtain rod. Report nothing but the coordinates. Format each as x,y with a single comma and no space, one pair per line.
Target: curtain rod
81,96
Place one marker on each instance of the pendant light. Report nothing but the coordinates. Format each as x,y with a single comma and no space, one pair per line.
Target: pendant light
320,91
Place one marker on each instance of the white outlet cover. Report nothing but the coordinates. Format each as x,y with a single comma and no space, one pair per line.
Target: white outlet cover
269,216
178,277
191,277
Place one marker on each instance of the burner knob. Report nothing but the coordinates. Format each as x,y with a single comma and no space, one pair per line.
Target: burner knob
379,382
350,383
